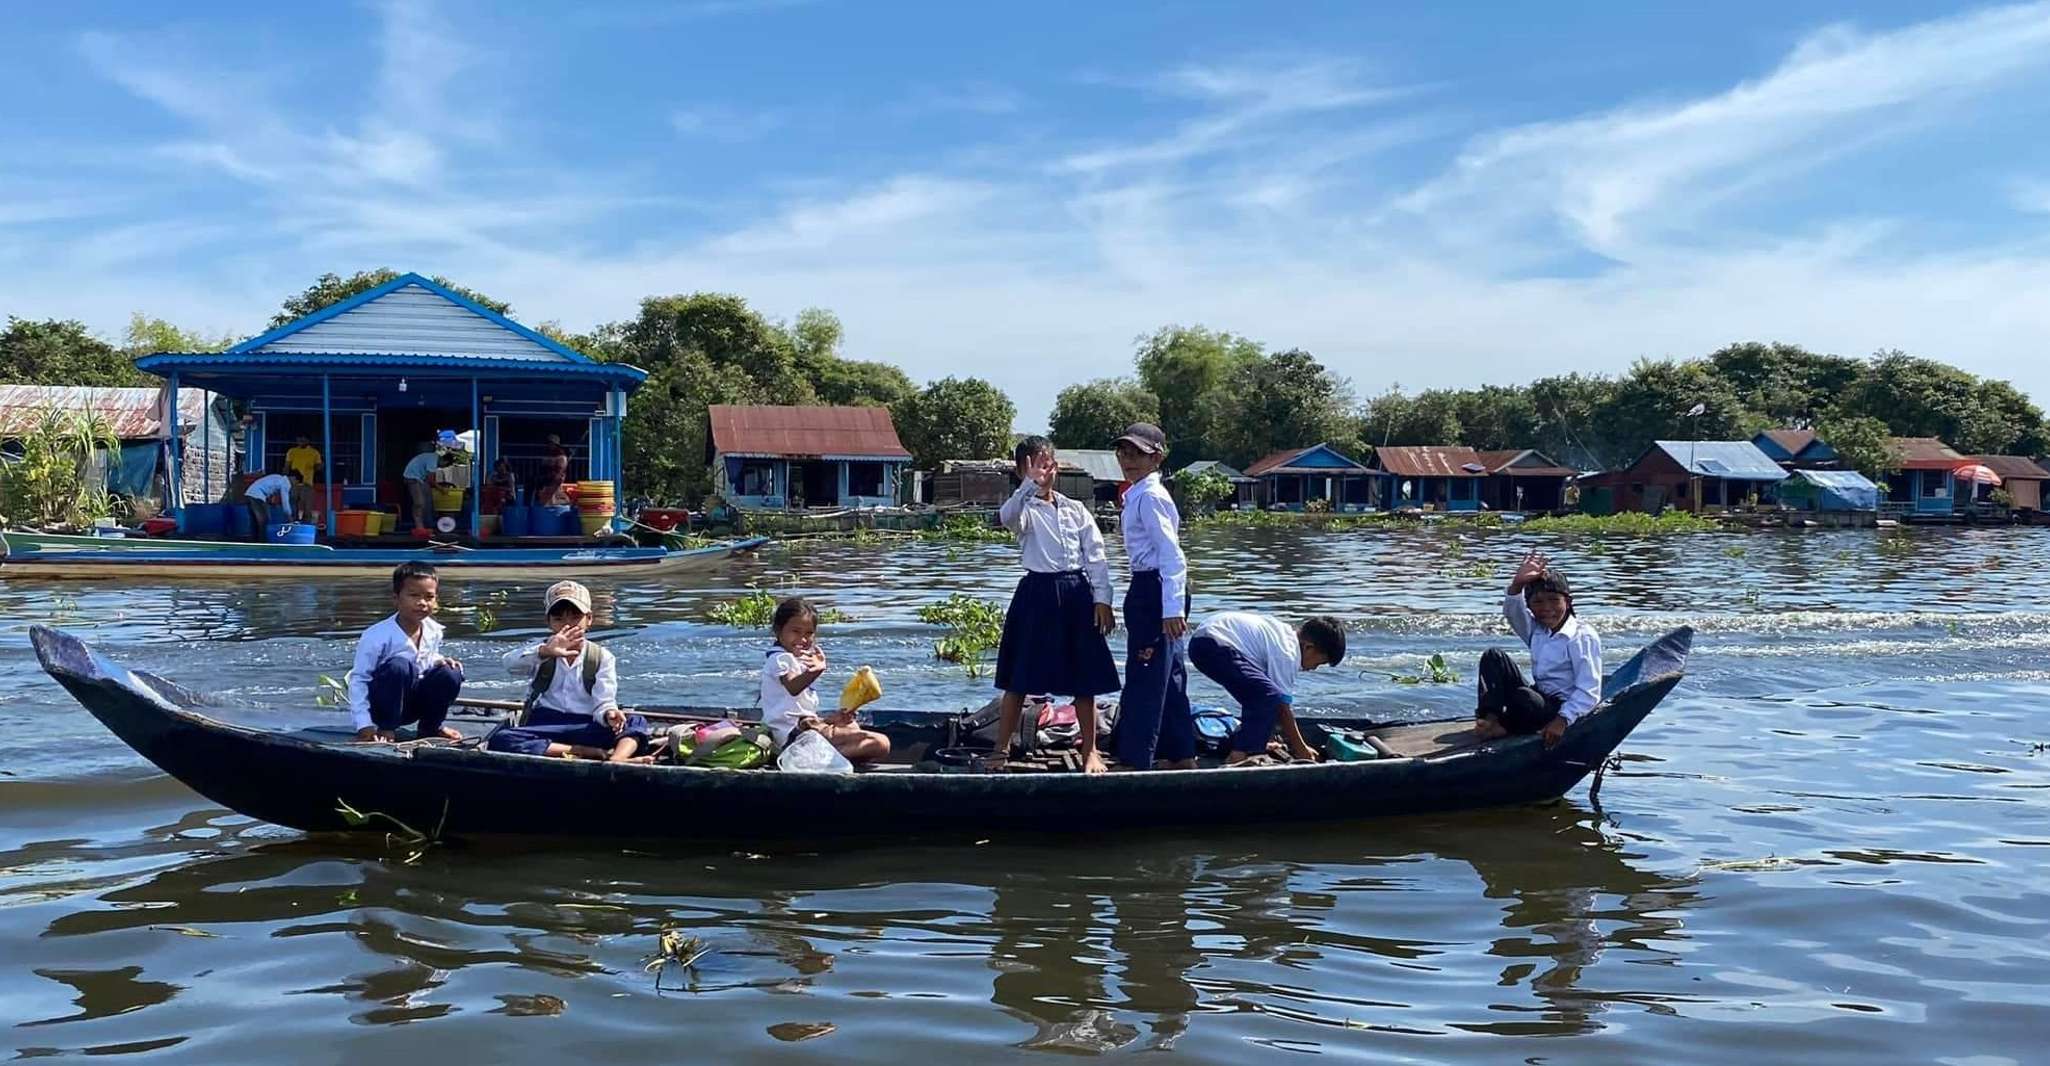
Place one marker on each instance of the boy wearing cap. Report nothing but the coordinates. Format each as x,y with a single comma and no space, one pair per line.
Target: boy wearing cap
1153,714
572,706
400,676
1565,660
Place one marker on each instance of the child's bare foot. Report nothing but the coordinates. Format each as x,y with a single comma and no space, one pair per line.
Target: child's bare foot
449,732
1093,764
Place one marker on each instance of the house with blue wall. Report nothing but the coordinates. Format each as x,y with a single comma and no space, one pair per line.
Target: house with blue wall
1432,477
1289,480
1922,482
370,378
1796,449
788,458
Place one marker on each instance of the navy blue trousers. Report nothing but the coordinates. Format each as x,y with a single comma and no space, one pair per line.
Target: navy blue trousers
399,698
1153,714
549,726
1507,698
1260,700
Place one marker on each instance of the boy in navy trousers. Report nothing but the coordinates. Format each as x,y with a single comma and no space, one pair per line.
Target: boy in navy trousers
1154,724
400,676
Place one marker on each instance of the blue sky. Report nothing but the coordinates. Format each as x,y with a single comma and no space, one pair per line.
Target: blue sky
1464,194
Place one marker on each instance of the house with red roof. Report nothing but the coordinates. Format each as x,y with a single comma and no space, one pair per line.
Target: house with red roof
1524,479
1922,481
1290,479
2020,475
1433,477
786,458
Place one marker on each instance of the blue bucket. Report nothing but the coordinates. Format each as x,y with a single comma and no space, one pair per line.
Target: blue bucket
557,521
290,533
516,521
202,520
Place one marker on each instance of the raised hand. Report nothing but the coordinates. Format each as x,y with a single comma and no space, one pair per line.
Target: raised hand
1533,567
563,644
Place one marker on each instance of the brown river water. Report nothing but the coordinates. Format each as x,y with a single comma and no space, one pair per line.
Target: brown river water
1828,845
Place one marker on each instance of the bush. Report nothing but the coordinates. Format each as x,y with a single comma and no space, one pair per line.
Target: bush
973,628
1626,524
49,484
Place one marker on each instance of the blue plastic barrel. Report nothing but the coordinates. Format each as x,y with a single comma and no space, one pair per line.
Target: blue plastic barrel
202,520
557,521
236,522
516,521
290,533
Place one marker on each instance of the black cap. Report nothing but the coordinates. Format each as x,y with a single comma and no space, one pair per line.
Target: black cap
1144,436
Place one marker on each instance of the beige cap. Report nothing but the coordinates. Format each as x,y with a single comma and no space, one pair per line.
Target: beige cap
570,592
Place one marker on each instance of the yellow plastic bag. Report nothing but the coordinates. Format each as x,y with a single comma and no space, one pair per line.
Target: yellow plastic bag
861,689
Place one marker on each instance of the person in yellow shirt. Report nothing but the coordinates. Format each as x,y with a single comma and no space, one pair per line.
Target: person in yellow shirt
304,459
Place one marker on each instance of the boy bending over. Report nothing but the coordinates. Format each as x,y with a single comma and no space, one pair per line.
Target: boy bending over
1256,658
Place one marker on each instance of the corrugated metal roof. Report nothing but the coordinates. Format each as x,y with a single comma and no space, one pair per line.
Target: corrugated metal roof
1100,464
137,414
413,320
1736,459
1431,460
1925,453
1202,466
163,362
1501,462
1839,479
806,432
2013,466
1284,462
1790,441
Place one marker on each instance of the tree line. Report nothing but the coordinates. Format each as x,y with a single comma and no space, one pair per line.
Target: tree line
1217,394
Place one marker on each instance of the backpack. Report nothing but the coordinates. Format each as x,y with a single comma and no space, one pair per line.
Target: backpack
746,748
1215,727
595,658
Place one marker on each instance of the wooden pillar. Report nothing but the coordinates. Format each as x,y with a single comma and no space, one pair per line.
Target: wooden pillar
176,504
327,451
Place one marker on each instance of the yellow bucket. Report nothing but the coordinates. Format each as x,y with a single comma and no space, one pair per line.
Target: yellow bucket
448,498
593,523
863,688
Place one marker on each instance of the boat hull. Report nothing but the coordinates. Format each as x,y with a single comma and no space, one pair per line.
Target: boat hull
299,780
43,555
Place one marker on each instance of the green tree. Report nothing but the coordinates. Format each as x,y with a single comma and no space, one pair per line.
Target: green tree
1091,415
331,289
1569,427
1862,443
815,345
1287,400
1496,417
1184,367
147,336
1652,402
1783,384
955,418
1201,490
63,352
1429,417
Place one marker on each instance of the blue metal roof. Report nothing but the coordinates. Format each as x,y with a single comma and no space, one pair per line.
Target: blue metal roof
457,366
1837,479
1738,460
335,310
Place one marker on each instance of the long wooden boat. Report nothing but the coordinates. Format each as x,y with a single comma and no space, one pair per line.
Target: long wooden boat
24,554
300,771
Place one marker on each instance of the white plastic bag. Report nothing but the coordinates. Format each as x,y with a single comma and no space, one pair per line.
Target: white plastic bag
810,753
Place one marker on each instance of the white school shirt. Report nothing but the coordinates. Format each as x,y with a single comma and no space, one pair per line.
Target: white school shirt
1566,664
781,711
1057,537
422,466
270,486
1151,527
565,690
1269,642
383,642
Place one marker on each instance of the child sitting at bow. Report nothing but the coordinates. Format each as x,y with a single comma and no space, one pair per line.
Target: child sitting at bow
1565,660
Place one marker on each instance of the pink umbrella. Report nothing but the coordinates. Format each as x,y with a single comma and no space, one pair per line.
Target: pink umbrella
1977,474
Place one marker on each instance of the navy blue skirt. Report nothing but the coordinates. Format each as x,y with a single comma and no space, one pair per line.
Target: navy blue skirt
1050,640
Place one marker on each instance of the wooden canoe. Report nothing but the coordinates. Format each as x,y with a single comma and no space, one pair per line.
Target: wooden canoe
297,770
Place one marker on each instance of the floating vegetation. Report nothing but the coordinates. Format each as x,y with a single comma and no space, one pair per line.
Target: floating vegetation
1626,524
1435,673
758,608
329,692
674,948
965,529
405,835
973,628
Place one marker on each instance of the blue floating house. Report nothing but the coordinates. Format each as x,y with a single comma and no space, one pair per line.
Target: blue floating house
787,458
1436,477
1289,480
1829,491
370,378
1923,483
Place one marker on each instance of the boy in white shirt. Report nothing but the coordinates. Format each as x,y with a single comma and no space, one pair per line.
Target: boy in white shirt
263,493
572,708
1565,660
1256,658
1154,723
400,675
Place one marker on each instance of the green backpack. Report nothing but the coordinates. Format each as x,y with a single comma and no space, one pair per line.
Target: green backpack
744,752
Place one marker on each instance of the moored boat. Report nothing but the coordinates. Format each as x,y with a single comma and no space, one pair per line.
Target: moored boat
300,771
27,554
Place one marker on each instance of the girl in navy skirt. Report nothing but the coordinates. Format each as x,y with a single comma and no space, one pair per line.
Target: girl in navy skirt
1054,630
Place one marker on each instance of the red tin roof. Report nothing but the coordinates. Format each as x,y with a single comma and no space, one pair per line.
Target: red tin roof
2013,466
1432,460
1498,462
1926,453
805,432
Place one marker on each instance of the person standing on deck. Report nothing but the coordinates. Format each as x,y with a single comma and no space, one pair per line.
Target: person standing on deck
419,484
1153,715
554,474
1054,629
305,460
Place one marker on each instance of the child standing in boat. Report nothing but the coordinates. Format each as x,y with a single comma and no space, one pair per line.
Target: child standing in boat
1153,715
1565,660
1055,627
572,707
400,676
1257,658
790,699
